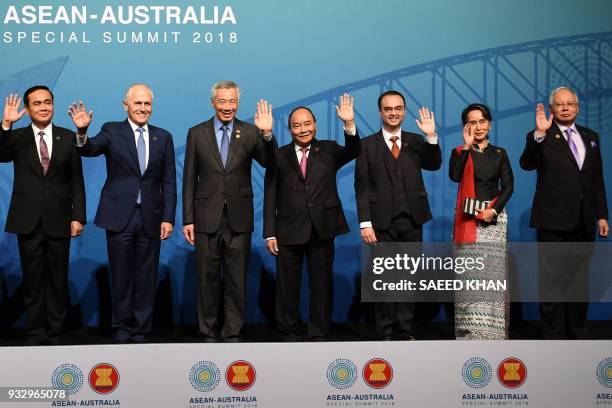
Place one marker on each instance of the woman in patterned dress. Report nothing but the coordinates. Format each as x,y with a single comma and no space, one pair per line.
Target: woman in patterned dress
483,172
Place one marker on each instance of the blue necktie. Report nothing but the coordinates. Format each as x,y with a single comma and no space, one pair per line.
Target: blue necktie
224,145
142,156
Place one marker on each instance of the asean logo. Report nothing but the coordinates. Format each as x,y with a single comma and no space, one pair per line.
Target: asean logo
67,377
240,375
604,372
476,372
205,376
377,373
342,374
512,372
103,378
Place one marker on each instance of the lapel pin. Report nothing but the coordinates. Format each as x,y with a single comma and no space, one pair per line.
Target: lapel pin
557,136
316,149
237,133
498,150
154,138
57,138
593,144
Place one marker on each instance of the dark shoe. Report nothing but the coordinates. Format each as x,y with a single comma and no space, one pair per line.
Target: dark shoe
291,338
121,336
140,338
208,339
386,336
317,339
233,339
405,337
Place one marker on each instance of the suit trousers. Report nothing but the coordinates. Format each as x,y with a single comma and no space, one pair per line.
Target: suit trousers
397,316
319,254
44,265
564,320
134,261
223,260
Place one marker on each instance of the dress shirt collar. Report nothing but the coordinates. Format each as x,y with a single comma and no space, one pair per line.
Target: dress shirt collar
388,135
298,148
563,128
135,127
218,124
47,130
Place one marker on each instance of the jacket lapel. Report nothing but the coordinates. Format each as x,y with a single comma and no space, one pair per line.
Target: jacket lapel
128,138
153,147
589,144
58,148
313,153
30,148
558,139
210,135
235,139
289,151
385,153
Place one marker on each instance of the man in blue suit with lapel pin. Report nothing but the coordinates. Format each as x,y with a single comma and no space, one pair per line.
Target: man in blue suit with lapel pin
137,205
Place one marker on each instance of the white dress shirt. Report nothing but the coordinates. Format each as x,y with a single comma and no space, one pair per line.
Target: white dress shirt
48,137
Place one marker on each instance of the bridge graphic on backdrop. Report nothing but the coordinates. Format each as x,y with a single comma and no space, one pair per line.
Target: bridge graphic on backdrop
509,79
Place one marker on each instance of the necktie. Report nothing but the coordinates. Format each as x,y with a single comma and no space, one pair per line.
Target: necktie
572,145
142,156
44,153
303,160
224,145
395,150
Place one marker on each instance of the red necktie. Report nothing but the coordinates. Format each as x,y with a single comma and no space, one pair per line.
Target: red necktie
395,150
44,153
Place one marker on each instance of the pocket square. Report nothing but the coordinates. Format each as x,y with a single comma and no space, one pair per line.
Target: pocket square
593,144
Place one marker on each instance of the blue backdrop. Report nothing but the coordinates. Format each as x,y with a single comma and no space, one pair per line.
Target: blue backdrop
441,54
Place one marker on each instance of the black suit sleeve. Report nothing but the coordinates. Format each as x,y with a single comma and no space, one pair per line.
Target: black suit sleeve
530,159
6,148
168,184
601,201
190,174
350,150
269,210
506,182
431,156
457,164
265,151
362,187
78,189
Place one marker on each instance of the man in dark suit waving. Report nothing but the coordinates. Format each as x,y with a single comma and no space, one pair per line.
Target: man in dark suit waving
392,201
137,205
218,206
47,207
569,206
303,214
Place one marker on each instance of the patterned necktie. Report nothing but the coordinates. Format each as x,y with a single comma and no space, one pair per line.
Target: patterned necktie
303,160
142,156
224,145
44,153
395,150
572,145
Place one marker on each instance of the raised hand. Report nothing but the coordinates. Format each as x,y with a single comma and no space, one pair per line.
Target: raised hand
427,124
263,117
11,110
542,123
80,117
345,110
468,136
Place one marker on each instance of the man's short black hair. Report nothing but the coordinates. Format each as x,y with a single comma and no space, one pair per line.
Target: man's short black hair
34,89
296,109
392,92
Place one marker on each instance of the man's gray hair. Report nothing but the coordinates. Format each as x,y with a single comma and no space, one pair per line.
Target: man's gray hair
551,99
224,85
131,87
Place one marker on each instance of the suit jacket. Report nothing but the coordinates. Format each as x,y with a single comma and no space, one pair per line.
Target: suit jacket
207,185
56,198
374,178
124,179
293,204
562,187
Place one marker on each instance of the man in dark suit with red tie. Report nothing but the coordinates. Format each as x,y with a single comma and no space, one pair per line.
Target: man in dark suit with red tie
302,216
392,203
218,207
569,206
47,208
137,206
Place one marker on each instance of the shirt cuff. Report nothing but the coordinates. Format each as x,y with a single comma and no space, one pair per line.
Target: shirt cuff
365,224
538,138
433,139
6,129
270,238
267,138
81,140
351,131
